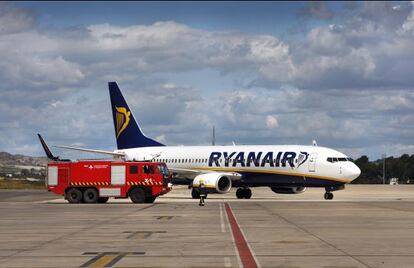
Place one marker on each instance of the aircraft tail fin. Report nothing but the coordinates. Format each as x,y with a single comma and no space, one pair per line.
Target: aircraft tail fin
127,131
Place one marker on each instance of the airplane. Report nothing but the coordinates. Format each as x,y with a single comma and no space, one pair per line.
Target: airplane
286,169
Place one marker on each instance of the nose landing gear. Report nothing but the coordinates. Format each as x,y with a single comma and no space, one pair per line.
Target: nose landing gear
328,196
245,193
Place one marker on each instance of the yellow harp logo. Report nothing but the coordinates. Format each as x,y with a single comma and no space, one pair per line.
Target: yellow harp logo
122,119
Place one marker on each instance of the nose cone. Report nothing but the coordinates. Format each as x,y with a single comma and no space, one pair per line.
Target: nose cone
354,171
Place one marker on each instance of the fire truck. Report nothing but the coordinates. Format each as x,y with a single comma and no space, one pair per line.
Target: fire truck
94,181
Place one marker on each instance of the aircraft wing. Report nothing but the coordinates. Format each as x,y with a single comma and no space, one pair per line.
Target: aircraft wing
89,150
192,173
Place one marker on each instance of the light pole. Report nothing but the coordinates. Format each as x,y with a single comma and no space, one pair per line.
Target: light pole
383,168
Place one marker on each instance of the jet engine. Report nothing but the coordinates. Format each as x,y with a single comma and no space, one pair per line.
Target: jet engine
214,182
288,190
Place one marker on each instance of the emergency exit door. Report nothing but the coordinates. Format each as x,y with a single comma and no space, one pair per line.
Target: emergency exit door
312,162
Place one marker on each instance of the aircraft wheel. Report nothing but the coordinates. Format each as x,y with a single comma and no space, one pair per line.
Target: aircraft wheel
328,196
137,195
195,194
74,196
240,193
247,193
90,195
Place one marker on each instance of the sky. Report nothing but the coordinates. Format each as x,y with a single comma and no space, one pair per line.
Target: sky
340,73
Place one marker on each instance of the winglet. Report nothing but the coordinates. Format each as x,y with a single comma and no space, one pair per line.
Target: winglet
47,150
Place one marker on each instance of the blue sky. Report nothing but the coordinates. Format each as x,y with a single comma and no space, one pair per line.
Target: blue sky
255,17
261,72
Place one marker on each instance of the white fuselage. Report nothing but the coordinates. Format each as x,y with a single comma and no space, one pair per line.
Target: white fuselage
276,161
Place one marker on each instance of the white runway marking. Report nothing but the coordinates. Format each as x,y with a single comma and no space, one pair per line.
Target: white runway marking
227,262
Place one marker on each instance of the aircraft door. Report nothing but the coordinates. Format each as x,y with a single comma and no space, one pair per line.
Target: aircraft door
312,162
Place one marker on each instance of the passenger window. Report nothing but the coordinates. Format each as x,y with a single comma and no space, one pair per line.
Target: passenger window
133,169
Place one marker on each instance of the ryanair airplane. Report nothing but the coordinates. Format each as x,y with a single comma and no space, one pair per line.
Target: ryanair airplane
286,169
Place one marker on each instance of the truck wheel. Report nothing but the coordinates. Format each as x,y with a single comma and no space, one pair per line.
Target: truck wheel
74,196
103,199
90,195
149,199
137,195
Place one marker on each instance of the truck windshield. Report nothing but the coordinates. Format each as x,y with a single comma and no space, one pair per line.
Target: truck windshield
163,170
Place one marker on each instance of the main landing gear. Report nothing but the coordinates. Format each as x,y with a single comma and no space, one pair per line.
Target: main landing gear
328,196
245,193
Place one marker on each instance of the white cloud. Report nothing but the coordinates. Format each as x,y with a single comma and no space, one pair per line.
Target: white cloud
346,85
271,122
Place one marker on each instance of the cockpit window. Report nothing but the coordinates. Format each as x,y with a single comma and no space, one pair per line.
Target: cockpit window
338,159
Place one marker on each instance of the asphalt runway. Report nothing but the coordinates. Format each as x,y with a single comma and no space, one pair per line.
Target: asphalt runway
364,226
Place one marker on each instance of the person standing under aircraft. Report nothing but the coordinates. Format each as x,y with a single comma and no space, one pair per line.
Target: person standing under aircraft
203,193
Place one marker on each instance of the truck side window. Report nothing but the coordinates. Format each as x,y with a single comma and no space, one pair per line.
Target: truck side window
133,169
148,169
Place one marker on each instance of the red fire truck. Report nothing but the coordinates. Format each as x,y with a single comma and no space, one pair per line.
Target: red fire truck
94,181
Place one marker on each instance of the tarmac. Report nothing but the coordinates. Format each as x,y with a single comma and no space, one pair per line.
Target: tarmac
364,226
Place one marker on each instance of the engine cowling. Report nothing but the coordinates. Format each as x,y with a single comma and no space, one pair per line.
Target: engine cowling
214,182
288,190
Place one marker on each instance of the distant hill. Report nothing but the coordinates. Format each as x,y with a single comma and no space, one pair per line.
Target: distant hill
7,159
